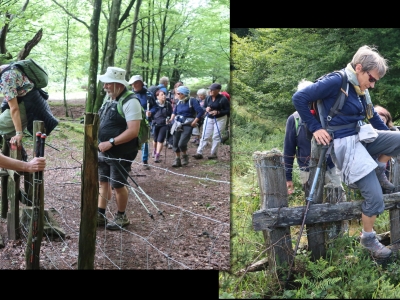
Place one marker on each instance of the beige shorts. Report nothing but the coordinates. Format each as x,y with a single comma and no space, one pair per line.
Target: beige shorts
6,123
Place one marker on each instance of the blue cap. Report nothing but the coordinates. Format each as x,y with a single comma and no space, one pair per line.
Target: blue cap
184,90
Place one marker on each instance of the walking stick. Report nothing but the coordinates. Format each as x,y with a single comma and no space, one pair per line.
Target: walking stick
309,199
216,123
166,141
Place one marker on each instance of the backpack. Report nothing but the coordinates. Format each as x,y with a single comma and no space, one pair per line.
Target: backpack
144,131
317,107
32,70
153,90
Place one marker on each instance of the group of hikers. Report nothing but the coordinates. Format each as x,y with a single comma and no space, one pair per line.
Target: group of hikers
175,116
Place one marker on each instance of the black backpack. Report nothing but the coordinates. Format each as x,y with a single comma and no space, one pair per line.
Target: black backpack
153,90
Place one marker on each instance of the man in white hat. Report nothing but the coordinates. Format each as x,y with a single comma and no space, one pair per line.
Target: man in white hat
147,101
117,138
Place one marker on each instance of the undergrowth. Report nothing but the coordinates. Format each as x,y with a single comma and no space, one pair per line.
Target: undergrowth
347,271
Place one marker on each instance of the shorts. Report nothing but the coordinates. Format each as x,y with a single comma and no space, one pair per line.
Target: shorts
115,171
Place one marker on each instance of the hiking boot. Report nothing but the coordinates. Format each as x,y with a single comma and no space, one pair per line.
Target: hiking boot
177,162
387,186
146,165
101,219
118,222
157,158
169,146
213,156
197,156
195,140
372,244
185,159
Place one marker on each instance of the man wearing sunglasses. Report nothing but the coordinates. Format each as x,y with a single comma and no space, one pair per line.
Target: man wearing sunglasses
352,154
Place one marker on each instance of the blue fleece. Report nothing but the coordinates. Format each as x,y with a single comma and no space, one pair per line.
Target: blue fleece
327,89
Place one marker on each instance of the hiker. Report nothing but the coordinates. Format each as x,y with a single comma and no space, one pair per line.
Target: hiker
174,100
117,138
163,84
217,110
354,142
201,96
147,101
159,113
185,116
386,117
298,144
22,104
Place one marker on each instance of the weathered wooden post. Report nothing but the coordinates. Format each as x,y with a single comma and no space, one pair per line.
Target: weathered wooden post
315,232
89,194
4,180
273,194
32,252
13,195
394,213
333,195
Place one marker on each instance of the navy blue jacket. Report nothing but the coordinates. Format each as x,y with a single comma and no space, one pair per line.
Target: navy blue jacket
299,147
327,89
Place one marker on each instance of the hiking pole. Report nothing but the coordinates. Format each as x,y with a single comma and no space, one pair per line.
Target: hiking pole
46,144
166,141
35,209
216,123
324,149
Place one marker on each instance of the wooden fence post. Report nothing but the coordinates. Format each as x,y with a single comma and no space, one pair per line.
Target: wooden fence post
394,213
4,180
32,252
273,194
13,195
315,232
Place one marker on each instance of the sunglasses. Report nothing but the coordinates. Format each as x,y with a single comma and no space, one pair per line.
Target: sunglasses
371,78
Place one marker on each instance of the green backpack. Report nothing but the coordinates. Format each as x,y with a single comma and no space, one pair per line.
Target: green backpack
32,70
144,131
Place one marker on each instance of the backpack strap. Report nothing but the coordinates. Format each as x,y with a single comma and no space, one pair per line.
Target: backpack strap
126,96
297,122
341,97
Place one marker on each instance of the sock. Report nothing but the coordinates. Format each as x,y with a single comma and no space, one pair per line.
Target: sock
102,210
121,213
368,234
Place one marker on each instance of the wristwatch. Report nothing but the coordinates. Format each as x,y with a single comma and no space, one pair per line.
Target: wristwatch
111,141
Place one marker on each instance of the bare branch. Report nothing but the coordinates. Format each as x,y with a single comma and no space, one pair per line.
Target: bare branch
71,15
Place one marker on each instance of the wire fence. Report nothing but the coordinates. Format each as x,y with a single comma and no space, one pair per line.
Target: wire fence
193,231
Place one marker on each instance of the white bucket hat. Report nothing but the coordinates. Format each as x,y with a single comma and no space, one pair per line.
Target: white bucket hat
114,74
135,78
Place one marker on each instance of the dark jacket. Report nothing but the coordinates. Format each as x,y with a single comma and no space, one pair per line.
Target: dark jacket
298,146
160,113
220,104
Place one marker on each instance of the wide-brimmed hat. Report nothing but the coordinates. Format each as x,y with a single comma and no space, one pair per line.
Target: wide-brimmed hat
135,78
114,74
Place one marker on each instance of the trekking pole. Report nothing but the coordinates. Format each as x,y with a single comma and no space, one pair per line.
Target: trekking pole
35,209
216,123
324,149
46,144
166,141
120,168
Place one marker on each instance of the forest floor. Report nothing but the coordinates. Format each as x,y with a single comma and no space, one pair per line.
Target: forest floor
202,240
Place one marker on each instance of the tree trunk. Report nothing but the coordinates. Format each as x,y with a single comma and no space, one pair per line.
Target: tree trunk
133,38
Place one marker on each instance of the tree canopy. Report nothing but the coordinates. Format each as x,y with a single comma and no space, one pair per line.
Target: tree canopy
268,63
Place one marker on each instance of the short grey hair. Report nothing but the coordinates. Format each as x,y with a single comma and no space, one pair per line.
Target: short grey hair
303,83
202,92
164,80
370,59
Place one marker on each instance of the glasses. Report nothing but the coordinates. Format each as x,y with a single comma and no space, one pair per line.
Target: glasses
371,78
178,93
